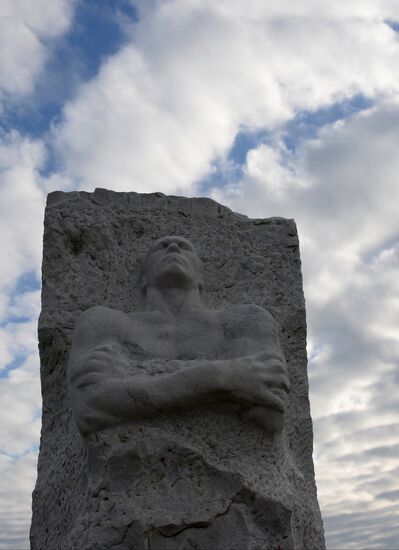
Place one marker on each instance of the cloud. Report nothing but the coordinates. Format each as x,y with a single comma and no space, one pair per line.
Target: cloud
22,199
172,100
25,305
18,340
17,479
21,399
162,114
389,495
26,29
342,189
363,529
19,434
23,190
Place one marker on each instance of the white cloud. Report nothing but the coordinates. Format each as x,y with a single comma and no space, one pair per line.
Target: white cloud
17,479
21,210
25,305
256,9
173,99
17,339
19,434
21,401
156,116
26,28
342,189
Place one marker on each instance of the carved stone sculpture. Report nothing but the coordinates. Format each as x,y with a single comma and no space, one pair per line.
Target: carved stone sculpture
177,428
203,357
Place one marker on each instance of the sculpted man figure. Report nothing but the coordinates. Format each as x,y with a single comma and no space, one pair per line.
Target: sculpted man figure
167,422
204,356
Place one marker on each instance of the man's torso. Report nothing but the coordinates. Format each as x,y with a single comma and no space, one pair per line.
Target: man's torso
195,334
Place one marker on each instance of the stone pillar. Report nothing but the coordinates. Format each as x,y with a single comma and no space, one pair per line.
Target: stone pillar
203,478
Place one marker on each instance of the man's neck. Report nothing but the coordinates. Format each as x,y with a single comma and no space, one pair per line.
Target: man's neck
174,301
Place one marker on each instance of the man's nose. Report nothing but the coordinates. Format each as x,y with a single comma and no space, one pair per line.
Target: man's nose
173,247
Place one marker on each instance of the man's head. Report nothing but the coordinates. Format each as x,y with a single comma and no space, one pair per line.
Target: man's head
172,262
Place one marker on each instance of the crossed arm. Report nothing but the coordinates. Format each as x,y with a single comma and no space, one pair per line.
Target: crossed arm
103,394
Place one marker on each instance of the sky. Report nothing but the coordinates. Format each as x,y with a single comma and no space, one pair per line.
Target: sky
277,108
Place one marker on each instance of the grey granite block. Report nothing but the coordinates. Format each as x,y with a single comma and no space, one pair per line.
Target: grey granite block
193,464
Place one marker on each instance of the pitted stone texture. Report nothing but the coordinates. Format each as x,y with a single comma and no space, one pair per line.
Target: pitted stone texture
204,478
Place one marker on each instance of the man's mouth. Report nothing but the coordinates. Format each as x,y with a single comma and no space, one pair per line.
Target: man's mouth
173,257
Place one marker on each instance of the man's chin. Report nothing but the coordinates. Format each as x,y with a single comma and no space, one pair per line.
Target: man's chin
174,274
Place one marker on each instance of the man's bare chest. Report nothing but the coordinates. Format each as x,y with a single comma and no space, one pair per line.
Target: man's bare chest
186,337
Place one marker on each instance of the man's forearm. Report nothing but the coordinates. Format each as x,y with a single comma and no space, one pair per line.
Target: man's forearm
114,400
188,386
245,380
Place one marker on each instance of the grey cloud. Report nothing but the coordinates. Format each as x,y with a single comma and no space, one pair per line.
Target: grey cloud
357,436
376,486
369,530
383,451
344,206
163,109
389,495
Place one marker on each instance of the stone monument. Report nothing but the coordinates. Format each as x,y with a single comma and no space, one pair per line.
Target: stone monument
173,362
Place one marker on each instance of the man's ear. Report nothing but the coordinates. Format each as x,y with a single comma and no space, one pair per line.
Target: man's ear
142,284
201,284
200,273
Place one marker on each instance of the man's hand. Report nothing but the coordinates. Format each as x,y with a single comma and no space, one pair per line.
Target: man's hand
103,394
103,361
256,380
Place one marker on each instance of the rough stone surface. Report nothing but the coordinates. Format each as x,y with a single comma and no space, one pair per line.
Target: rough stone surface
205,478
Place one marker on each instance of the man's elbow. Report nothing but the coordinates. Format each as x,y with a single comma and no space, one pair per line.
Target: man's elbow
85,423
86,407
89,419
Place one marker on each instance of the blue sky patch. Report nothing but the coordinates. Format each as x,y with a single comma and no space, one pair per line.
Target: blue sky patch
230,170
27,282
393,24
17,362
33,449
304,126
245,141
97,32
307,124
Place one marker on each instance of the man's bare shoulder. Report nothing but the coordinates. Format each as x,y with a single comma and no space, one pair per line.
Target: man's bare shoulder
100,322
247,312
248,320
102,314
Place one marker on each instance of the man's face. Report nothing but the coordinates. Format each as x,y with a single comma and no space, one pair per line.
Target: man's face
173,262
